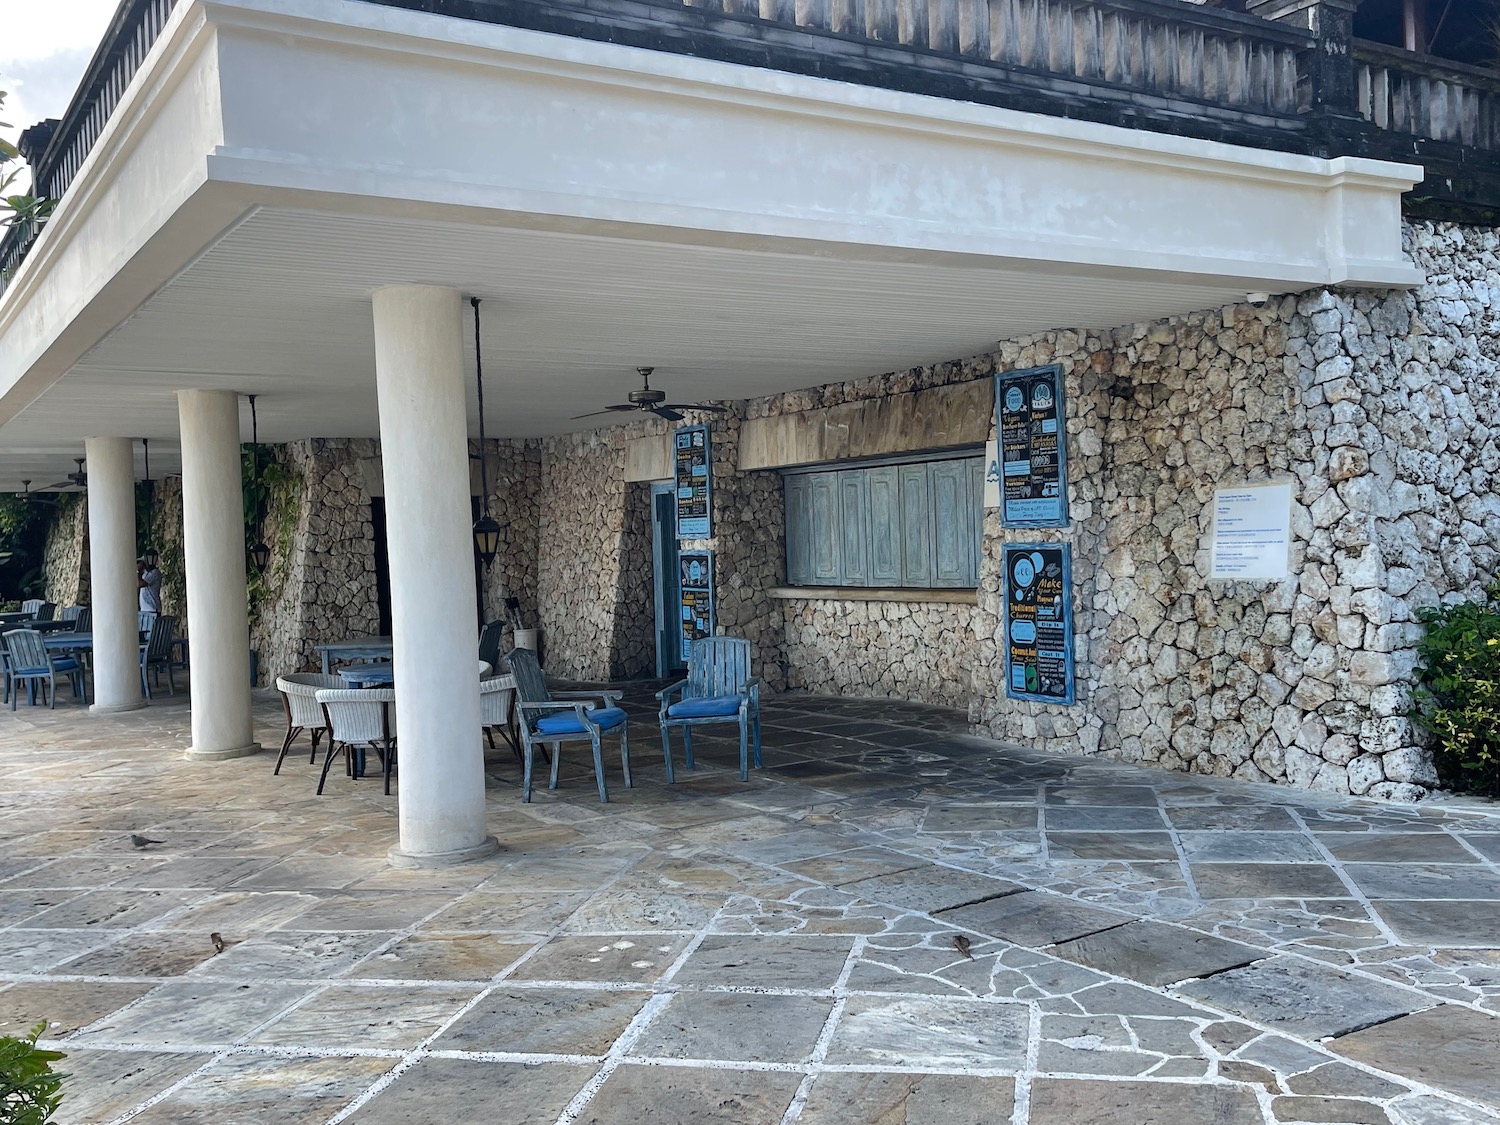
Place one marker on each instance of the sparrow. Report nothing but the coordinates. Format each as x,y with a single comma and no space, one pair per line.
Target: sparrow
961,944
218,942
141,841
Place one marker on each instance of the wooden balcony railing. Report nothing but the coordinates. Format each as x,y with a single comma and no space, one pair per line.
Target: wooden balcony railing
1426,97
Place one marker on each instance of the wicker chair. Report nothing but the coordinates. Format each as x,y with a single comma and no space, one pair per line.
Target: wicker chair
359,717
299,692
496,699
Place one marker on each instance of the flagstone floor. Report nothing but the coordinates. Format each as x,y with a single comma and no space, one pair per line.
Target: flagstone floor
892,922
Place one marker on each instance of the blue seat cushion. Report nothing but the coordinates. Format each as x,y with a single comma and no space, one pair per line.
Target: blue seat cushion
566,722
709,706
62,664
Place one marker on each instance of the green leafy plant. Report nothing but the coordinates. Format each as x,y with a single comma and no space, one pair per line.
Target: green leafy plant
30,1090
272,498
18,207
1457,696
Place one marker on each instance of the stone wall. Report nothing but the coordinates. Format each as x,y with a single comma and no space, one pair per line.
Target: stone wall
65,555
921,651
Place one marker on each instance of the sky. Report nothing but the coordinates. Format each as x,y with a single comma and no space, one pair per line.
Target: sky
44,46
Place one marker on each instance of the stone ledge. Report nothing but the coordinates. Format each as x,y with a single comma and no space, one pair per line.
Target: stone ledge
958,596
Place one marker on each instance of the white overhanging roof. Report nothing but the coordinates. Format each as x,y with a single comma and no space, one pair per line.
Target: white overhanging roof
746,231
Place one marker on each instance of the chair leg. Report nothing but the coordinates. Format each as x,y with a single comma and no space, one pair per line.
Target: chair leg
388,759
489,736
744,750
526,760
317,733
625,753
666,752
333,749
52,692
145,682
286,744
687,747
757,738
171,683
599,769
556,761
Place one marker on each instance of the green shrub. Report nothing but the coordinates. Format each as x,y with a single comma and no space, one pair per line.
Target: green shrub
30,1090
1457,693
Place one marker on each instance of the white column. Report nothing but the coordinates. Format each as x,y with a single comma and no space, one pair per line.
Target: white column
112,582
213,540
424,446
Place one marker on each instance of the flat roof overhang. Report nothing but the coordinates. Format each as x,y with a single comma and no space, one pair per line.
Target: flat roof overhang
745,231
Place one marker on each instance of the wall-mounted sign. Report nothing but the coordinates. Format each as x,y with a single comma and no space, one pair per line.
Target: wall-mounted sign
1252,532
693,471
992,474
1032,424
1037,649
696,582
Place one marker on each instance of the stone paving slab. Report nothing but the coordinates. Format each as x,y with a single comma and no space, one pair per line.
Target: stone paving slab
1034,918
1152,953
1313,1001
930,1031
1452,1048
908,1099
735,1026
674,1095
1061,1101
1442,923
440,1089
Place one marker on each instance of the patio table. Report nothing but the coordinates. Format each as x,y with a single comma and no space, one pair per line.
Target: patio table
69,642
49,626
368,675
360,648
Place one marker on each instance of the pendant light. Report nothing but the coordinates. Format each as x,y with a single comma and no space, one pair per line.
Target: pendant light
486,530
260,554
150,555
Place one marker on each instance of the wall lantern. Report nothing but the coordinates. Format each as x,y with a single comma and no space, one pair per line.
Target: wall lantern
486,530
260,554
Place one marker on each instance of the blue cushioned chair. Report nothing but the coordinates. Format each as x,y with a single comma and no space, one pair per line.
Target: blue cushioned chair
31,663
719,689
563,716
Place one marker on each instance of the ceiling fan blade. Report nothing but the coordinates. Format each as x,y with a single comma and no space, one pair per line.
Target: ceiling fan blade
607,410
60,486
666,412
693,406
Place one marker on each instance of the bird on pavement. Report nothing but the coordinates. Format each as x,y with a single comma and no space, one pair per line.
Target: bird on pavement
141,841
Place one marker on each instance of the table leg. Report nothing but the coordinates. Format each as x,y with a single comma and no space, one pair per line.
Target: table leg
359,762
326,670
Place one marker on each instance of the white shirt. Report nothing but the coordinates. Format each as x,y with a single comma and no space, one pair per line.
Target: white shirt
151,591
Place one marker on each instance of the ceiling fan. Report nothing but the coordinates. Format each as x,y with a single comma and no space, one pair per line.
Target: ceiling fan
78,481
651,402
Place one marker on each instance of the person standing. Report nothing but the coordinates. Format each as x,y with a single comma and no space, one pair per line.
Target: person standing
148,578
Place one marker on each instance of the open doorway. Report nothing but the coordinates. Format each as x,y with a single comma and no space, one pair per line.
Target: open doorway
383,564
665,578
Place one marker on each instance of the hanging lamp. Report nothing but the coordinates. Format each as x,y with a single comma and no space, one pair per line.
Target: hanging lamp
150,556
486,530
260,554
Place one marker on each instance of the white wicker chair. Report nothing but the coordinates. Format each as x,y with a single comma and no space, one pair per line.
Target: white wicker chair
484,669
496,697
299,696
359,717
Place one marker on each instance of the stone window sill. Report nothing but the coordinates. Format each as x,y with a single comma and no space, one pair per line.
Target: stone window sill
957,596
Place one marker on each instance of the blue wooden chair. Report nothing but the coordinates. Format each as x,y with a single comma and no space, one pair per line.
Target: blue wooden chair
31,663
719,689
84,622
490,639
156,652
564,716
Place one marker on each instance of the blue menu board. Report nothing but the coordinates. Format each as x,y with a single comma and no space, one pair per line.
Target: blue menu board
696,587
1032,424
692,453
1037,645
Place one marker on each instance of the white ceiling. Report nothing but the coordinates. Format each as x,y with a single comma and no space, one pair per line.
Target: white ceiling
280,307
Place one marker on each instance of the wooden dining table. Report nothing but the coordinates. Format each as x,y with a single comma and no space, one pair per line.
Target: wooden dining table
357,648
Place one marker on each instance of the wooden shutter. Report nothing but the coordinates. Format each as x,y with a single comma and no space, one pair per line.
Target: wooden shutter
824,511
953,525
854,526
885,526
916,526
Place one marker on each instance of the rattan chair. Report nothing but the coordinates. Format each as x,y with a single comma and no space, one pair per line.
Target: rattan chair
357,717
299,696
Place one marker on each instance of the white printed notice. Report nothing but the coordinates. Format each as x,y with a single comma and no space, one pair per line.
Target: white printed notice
1252,532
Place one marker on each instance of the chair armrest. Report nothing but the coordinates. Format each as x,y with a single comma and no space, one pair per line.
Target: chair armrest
550,705
680,685
606,696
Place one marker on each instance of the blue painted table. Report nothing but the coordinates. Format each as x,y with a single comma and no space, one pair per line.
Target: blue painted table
360,648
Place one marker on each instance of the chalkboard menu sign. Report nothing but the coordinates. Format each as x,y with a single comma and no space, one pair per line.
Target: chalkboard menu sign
693,461
1038,645
696,584
1032,424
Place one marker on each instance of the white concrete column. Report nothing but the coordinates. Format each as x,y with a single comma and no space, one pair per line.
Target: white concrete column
213,540
424,440
112,582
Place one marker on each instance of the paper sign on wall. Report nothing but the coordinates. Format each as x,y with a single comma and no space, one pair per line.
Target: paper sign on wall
1252,532
992,474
